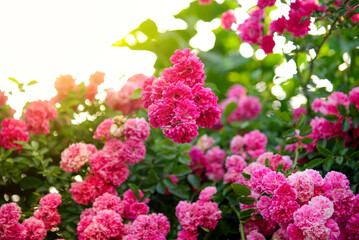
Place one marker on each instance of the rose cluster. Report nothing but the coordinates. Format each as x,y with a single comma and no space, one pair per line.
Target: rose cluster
248,107
252,143
202,213
120,100
177,102
13,130
251,30
124,144
33,228
303,205
207,162
65,84
37,115
106,219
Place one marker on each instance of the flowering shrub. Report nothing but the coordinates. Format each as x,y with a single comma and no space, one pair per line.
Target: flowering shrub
277,158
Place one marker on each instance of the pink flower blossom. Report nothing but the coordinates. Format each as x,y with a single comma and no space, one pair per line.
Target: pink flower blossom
316,232
267,43
278,25
13,130
255,235
324,205
227,19
64,84
37,115
51,200
75,156
108,202
352,227
137,128
3,98
153,226
298,111
103,130
35,229
303,186
205,142
236,91
265,3
308,216
50,216
251,29
9,214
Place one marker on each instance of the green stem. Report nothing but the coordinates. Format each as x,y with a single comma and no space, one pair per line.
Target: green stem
240,222
296,158
242,230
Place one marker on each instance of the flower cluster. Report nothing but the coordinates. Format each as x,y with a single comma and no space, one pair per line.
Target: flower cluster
105,220
252,143
202,213
75,156
120,100
33,228
303,206
251,30
236,165
248,107
13,130
207,162
37,115
177,102
95,80
109,166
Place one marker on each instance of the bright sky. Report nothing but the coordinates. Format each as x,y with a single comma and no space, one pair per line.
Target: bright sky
42,39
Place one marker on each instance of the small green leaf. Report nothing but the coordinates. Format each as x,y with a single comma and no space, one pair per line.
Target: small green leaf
246,176
342,110
135,190
136,94
331,118
180,191
353,110
345,125
306,131
181,170
280,168
246,214
185,159
289,133
205,229
258,216
194,180
13,80
306,140
339,160
240,189
267,163
283,117
301,121
291,140
32,82
160,188
313,163
328,163
30,183
228,110
169,183
324,151
246,200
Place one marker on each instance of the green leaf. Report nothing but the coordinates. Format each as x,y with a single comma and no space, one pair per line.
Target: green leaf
280,168
181,170
194,180
291,140
339,160
228,110
306,140
169,183
246,176
135,190
160,188
289,133
180,191
306,131
246,200
267,163
315,162
258,216
185,159
332,118
32,82
30,183
136,94
246,214
353,110
240,189
342,110
283,117
324,151
301,121
328,163
14,80
345,125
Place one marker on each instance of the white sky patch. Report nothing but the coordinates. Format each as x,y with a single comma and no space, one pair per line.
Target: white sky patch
43,39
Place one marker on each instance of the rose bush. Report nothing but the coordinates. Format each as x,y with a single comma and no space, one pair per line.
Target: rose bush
275,157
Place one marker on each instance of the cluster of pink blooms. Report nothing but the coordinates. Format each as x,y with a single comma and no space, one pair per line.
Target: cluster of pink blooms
109,165
298,111
202,213
37,115
13,130
236,165
120,100
207,162
248,107
251,30
252,143
302,206
33,228
177,102
106,219
65,84
322,128
95,80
